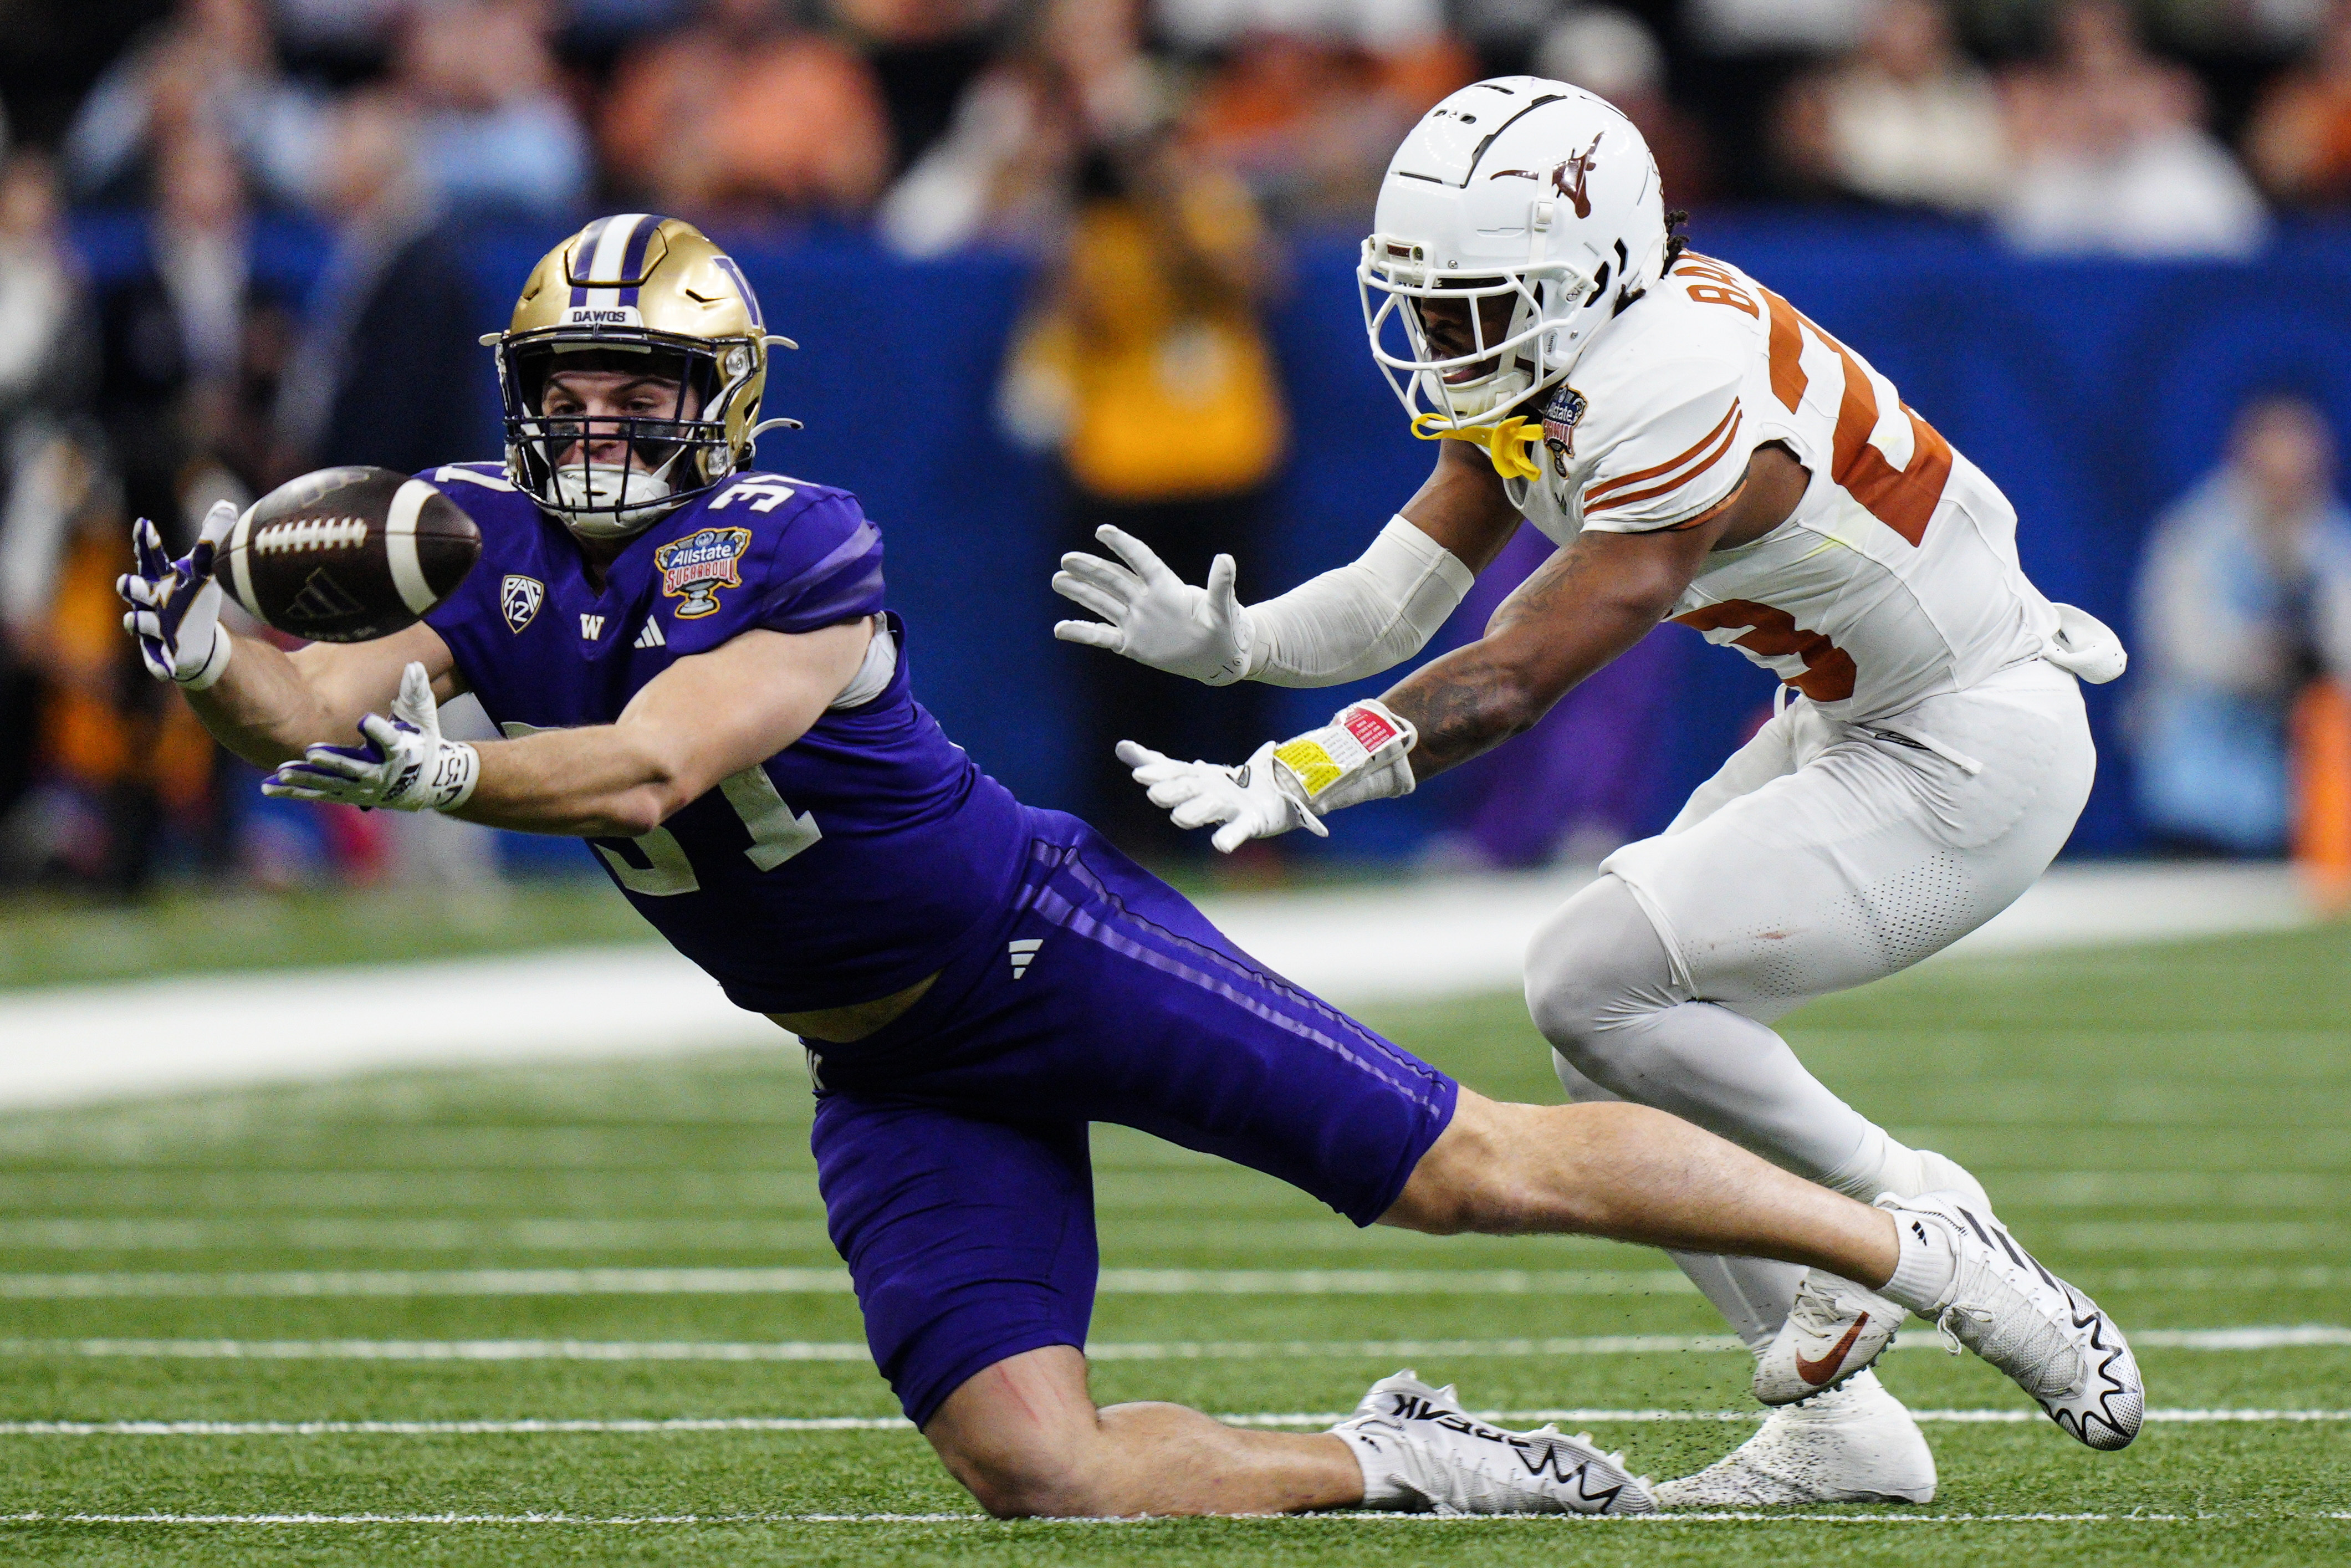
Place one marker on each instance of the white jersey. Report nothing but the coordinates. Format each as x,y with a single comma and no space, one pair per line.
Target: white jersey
1895,580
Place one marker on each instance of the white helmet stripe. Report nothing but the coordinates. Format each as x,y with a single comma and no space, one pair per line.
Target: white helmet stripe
609,259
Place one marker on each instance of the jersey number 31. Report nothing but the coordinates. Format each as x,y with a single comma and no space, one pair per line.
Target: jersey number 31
654,864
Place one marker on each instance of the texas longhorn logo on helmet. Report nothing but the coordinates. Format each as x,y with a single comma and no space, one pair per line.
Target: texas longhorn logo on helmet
1583,163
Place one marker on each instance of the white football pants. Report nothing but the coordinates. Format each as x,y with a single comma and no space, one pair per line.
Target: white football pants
1823,855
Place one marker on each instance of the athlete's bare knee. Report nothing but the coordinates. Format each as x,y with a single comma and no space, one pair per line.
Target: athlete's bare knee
1027,1487
1023,1438
1495,1171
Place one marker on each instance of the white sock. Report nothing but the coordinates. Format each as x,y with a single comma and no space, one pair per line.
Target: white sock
1383,1485
1930,1261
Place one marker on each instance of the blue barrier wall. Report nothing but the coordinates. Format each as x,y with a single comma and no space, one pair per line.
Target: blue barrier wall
2092,391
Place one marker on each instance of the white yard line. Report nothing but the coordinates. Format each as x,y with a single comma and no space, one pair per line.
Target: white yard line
694,1424
1401,940
2287,1337
300,1233
1352,1517
829,1281
402,1282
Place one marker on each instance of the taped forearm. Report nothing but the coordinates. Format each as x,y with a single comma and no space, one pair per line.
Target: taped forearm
1368,616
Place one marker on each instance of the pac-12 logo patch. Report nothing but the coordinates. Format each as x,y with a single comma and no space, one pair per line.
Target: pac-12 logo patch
696,568
519,597
1561,416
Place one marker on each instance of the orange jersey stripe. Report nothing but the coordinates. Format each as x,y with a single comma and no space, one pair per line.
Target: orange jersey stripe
1601,490
1727,437
1711,512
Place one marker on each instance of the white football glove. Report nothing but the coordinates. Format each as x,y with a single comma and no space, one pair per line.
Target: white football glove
1248,800
1363,754
405,765
1154,616
175,605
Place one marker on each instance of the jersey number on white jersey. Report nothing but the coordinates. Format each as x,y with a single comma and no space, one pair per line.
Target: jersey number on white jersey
1904,499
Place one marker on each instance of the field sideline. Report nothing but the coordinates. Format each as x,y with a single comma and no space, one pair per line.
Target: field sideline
587,1311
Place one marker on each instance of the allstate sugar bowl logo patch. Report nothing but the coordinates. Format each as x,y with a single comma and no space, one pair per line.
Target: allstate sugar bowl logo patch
519,598
696,568
1561,416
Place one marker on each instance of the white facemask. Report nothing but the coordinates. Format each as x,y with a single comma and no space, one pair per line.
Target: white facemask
635,498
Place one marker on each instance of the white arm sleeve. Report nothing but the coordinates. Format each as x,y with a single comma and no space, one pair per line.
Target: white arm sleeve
1364,618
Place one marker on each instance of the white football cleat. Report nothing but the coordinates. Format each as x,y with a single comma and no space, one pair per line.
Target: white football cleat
2000,1302
1420,1450
1834,1331
2042,1331
1854,1444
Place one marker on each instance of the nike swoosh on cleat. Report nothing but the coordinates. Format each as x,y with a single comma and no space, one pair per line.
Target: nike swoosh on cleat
1819,1372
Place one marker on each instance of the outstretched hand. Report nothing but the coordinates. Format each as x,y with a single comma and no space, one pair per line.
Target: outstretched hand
405,764
1247,801
1152,616
175,604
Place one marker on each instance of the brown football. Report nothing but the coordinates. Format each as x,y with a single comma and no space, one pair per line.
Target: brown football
346,554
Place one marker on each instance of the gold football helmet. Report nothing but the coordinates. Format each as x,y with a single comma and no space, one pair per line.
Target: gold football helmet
650,295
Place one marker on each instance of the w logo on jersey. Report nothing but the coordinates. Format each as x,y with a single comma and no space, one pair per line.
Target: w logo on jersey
519,598
696,568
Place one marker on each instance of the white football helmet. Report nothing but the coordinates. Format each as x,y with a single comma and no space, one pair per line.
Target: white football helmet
1517,193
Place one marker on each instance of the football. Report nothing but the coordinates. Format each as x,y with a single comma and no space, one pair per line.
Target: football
346,554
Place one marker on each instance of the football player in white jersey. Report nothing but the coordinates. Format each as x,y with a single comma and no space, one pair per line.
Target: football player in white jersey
1701,451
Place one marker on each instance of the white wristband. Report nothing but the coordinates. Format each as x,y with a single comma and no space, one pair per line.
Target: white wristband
455,773
1369,615
1363,754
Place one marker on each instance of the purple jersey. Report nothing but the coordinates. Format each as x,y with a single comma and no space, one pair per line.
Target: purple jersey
847,866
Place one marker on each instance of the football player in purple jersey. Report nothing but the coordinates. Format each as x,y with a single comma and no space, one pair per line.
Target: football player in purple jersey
694,671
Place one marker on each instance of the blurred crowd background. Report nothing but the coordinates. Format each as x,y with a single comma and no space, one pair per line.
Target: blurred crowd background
1058,263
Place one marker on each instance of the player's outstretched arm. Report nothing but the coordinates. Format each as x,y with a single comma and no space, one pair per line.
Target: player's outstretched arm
1581,609
1369,615
262,703
1583,606
700,720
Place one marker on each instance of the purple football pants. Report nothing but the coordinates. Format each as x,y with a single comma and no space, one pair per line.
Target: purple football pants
951,1146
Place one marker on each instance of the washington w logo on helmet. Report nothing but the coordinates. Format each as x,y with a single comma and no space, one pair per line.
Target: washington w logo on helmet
665,323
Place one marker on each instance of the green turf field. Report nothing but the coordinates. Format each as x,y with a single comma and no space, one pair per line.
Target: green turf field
2165,1125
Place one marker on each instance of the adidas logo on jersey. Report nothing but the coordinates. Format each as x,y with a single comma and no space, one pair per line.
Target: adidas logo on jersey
1023,951
651,637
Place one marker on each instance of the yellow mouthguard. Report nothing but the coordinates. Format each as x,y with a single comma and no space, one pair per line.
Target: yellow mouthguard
1511,444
